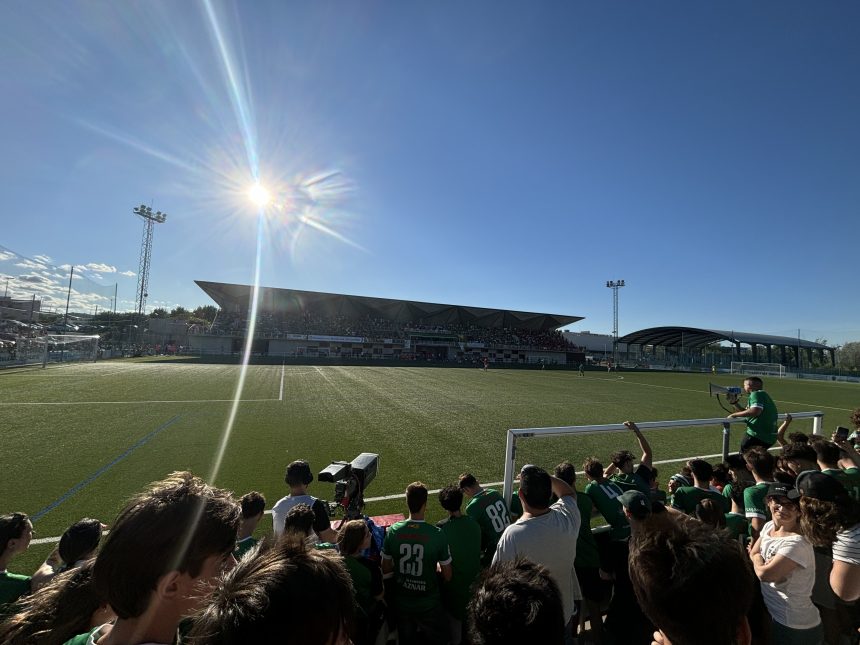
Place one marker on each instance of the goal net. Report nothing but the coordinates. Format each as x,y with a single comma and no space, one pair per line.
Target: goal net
758,369
56,348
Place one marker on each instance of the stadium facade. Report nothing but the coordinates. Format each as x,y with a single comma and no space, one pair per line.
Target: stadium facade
294,323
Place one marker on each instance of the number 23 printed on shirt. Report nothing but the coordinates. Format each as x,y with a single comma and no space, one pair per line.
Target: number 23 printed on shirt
412,559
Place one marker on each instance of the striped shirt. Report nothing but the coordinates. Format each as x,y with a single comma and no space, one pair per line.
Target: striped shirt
847,545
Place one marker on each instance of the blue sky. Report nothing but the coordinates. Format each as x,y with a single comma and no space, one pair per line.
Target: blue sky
500,154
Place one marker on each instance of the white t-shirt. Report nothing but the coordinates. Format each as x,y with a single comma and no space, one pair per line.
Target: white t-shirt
789,601
847,545
548,540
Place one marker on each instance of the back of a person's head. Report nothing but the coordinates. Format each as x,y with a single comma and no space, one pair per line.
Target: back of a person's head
760,461
451,498
351,535
711,513
673,568
798,437
416,497
804,451
252,504
536,487
299,520
821,520
516,602
621,457
827,452
467,480
566,472
755,382
298,473
720,474
593,468
737,492
12,526
701,469
79,540
61,610
287,594
173,525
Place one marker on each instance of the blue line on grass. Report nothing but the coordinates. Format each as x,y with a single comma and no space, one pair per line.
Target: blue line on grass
101,471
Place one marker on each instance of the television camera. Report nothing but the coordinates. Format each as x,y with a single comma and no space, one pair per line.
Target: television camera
350,480
731,394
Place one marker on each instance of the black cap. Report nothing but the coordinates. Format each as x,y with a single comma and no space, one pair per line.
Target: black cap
637,503
816,485
778,489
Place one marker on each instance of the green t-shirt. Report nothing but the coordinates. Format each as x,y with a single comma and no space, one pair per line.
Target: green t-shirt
764,425
361,581
755,504
737,526
415,547
488,509
605,498
243,546
631,482
686,498
852,482
586,546
464,540
12,587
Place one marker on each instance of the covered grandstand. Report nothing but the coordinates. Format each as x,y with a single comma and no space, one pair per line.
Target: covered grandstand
292,322
696,342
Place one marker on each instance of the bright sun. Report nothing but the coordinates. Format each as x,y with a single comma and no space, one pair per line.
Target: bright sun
259,195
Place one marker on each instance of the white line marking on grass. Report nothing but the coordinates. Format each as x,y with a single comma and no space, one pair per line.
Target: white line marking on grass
281,390
20,403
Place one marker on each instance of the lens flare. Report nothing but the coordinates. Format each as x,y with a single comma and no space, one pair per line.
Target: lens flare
260,196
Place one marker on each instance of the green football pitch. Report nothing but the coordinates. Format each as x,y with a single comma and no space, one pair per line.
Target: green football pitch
79,439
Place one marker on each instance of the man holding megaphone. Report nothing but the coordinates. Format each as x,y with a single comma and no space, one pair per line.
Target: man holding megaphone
760,414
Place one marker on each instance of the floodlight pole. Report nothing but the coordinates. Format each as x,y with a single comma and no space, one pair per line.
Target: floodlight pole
150,219
615,285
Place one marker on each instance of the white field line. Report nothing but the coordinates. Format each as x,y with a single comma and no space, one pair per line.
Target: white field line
281,390
22,403
385,498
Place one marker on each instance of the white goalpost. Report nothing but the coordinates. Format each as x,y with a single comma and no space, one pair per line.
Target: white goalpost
515,434
56,348
758,369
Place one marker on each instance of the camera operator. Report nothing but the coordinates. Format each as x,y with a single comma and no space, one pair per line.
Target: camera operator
760,415
298,478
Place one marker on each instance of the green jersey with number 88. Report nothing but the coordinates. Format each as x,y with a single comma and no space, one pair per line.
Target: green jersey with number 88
489,510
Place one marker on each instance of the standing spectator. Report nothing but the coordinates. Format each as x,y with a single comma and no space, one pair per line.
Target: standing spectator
687,497
672,567
488,509
16,531
760,415
784,562
516,602
760,463
657,495
587,562
166,546
622,471
410,554
546,533
736,522
353,539
253,505
464,539
298,478
288,594
797,458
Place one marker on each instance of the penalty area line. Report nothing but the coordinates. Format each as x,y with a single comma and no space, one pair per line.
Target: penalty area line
21,403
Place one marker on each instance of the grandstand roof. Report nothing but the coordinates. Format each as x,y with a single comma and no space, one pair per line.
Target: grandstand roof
694,337
235,298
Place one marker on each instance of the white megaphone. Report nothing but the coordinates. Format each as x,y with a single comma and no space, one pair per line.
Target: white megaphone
716,390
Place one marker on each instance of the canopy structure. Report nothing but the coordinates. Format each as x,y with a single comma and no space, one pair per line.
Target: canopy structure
235,298
693,338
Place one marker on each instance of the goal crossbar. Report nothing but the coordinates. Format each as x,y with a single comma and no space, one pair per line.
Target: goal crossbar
725,423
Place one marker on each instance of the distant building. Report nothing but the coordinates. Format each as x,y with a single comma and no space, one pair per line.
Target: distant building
22,310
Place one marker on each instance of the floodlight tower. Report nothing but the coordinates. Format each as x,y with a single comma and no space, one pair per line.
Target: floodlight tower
150,219
615,285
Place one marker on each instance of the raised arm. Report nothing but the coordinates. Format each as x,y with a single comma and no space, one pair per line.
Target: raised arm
780,432
647,457
561,488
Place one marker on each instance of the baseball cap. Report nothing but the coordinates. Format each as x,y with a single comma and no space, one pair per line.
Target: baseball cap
637,503
778,489
816,485
678,477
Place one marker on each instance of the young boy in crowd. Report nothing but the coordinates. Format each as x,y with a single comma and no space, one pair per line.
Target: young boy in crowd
253,506
166,547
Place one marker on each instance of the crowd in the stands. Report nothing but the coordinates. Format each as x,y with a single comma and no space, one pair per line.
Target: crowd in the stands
373,329
762,548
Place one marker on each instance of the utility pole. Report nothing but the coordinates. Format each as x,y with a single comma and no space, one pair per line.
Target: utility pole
615,285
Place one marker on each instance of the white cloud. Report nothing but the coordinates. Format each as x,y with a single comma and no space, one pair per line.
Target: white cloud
6,255
100,267
29,264
42,258
128,274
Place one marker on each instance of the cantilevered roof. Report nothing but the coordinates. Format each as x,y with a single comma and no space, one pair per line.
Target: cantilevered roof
236,298
693,337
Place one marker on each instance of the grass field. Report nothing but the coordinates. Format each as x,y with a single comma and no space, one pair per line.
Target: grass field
79,439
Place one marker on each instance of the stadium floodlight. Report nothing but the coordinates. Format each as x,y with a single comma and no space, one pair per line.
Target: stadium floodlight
615,285
149,220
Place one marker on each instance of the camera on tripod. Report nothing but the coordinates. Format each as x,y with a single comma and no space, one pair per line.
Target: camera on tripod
350,480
